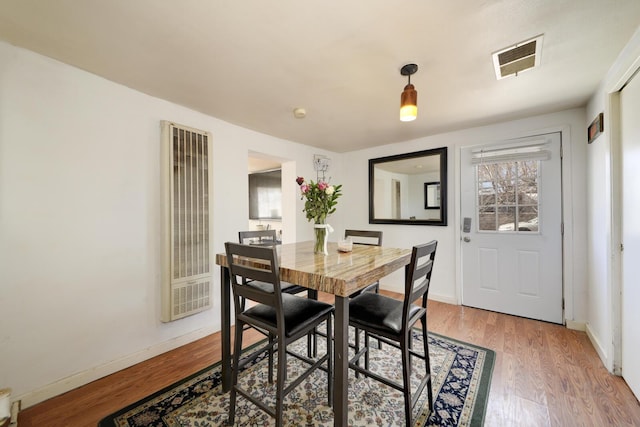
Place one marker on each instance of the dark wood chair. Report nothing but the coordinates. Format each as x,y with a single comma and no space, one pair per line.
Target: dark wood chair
258,237
366,237
285,317
269,238
370,238
392,322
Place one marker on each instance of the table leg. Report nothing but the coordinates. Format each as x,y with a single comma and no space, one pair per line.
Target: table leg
341,362
225,323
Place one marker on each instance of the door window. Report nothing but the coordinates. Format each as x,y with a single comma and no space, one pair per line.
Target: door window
507,196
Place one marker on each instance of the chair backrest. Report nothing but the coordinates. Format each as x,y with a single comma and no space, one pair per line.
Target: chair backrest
418,276
251,263
262,237
365,237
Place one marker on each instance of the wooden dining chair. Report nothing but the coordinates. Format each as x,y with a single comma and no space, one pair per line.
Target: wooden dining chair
269,238
392,322
370,238
258,237
366,237
285,317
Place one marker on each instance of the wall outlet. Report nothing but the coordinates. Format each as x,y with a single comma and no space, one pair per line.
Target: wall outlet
16,407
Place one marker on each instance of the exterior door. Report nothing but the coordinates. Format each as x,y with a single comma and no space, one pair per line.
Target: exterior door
511,205
629,113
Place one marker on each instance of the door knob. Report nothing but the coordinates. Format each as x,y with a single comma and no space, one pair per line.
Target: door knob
466,239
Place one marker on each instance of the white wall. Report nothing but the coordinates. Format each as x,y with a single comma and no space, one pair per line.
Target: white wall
80,222
445,285
603,266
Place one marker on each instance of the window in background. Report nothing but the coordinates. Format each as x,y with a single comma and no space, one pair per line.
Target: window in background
265,195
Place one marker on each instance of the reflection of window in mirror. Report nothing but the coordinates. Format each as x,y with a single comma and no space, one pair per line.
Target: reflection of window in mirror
432,195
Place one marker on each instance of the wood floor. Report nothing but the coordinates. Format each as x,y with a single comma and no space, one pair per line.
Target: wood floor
544,375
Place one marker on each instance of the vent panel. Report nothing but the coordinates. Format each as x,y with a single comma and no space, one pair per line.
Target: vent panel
186,217
190,298
517,53
517,58
190,204
518,66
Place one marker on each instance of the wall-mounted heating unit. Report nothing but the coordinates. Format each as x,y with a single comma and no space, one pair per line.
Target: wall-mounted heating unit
186,184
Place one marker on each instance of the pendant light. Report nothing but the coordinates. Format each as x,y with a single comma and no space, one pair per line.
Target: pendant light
409,97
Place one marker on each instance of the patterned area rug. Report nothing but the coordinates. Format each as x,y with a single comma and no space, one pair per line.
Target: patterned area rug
461,376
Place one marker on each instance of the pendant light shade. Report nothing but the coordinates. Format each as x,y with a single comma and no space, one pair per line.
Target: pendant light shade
409,97
408,104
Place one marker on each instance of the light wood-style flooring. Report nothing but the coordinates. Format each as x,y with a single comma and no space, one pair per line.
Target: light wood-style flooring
544,375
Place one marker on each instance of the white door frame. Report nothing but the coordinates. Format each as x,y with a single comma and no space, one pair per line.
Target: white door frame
613,110
614,362
625,67
567,217
628,201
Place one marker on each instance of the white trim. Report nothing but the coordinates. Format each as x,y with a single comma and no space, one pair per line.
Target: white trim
443,298
531,150
457,158
612,111
624,66
85,377
597,346
576,326
568,263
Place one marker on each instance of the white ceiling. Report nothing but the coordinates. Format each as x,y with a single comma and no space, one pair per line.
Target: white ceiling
252,62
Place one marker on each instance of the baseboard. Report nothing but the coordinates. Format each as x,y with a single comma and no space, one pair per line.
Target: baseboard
576,326
443,298
432,296
596,345
81,378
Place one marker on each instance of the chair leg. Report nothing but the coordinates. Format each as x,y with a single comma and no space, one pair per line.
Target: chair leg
367,350
329,362
357,349
377,291
410,344
406,378
271,339
312,343
427,362
234,371
282,377
315,344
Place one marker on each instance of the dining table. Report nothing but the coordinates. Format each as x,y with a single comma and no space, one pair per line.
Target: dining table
339,273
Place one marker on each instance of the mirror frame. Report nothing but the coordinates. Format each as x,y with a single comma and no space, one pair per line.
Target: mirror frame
442,152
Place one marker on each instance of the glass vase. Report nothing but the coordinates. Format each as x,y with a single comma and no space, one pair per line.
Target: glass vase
322,235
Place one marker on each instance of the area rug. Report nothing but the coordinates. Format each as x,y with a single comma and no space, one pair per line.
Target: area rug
461,376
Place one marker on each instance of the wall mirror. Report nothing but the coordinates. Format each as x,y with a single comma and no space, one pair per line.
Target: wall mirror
409,188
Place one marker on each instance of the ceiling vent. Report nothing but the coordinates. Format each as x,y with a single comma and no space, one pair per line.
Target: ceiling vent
518,58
